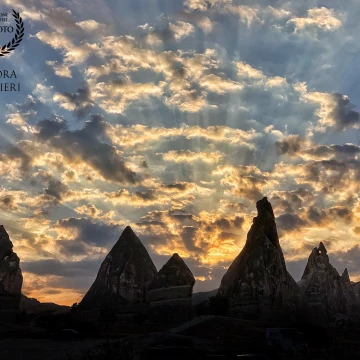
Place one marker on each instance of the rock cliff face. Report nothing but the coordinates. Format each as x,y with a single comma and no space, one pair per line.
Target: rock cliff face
170,292
124,275
356,287
257,282
330,296
10,279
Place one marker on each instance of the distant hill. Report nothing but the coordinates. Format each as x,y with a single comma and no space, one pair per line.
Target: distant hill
199,297
34,306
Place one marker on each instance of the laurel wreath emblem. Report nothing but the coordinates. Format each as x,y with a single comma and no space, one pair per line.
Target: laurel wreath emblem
15,42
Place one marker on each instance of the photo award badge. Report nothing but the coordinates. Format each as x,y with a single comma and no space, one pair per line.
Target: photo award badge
11,34
15,32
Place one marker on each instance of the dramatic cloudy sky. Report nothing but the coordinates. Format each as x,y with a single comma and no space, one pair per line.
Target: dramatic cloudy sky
175,117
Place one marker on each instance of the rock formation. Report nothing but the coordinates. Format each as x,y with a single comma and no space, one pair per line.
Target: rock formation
330,296
356,287
10,279
170,292
124,275
257,282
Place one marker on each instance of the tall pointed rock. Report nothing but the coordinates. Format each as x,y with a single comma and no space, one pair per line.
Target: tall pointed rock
124,275
257,282
170,292
327,292
10,279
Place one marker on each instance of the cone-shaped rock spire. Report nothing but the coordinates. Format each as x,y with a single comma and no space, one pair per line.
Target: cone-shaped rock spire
170,292
124,275
257,281
322,285
174,273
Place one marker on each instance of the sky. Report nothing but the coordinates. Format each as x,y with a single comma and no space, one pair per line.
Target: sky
175,117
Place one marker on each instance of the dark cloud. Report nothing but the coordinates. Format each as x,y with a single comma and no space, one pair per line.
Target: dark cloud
223,224
8,202
345,150
56,189
347,259
238,222
22,152
225,235
146,195
178,186
289,222
90,232
344,114
182,217
341,212
87,144
188,236
144,164
81,101
316,216
71,247
290,145
49,128
58,268
356,230
329,172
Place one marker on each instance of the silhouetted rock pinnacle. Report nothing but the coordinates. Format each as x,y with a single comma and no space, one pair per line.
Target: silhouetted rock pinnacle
257,282
10,279
329,294
174,273
170,292
124,275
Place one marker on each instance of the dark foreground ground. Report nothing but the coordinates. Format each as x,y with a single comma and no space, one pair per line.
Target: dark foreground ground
209,337
42,349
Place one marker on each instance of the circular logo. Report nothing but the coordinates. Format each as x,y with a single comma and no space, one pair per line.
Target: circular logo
19,34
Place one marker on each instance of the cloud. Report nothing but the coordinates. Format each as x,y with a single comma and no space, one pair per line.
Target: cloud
216,84
93,233
58,268
323,18
256,77
181,29
60,69
335,111
289,222
190,156
291,145
244,181
56,189
79,102
140,134
85,145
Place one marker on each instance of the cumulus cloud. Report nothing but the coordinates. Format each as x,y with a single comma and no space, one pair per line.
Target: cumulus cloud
324,18
79,102
86,145
335,110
